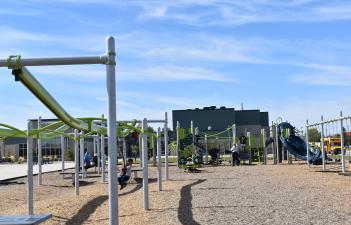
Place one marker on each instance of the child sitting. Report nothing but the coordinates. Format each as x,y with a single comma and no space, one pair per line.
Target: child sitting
126,173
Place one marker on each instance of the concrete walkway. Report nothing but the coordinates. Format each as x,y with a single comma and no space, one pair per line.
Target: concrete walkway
10,171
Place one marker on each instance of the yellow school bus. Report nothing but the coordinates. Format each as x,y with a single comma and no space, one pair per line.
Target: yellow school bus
332,145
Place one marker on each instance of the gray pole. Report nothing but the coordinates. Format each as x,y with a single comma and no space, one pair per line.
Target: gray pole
40,155
193,133
124,149
81,150
342,143
3,148
140,151
249,135
111,131
322,143
307,145
263,132
153,151
76,161
103,158
98,154
234,133
145,166
277,156
29,169
178,143
206,149
57,61
63,153
159,160
166,145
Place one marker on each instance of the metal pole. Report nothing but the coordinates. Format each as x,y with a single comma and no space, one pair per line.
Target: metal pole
342,143
193,134
98,154
145,166
159,160
263,132
153,151
140,151
277,156
178,143
63,153
166,145
249,135
307,145
95,150
234,133
206,148
76,161
40,156
29,169
81,150
111,130
322,143
103,158
124,149
57,61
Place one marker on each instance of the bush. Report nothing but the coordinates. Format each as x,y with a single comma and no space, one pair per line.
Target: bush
69,156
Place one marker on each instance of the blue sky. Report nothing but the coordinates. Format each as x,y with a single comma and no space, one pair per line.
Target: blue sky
290,58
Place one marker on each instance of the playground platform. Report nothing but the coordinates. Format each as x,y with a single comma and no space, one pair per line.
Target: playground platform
11,171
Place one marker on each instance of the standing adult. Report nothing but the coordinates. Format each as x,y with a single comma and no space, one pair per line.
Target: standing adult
235,155
242,140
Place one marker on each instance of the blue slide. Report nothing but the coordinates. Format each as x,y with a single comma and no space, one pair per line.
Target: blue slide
296,146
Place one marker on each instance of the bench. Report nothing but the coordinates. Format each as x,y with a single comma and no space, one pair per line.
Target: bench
24,220
72,175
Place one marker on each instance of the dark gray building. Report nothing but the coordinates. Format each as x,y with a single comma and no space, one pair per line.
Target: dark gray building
218,119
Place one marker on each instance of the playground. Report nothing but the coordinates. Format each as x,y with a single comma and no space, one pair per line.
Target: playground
258,194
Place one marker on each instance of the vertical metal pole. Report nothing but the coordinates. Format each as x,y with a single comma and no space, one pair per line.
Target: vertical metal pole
307,145
124,149
29,169
81,150
248,134
63,153
111,131
159,160
3,148
40,156
145,166
234,133
193,134
322,143
76,160
94,149
103,158
342,143
178,142
153,151
277,156
263,133
98,153
166,146
206,148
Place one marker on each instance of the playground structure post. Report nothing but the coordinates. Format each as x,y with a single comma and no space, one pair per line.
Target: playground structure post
193,136
124,149
234,133
140,151
103,158
263,133
322,143
178,143
76,160
166,146
111,131
94,150
98,153
29,168
342,143
159,160
277,156
206,149
153,151
2,148
307,145
248,134
62,141
145,166
40,156
81,152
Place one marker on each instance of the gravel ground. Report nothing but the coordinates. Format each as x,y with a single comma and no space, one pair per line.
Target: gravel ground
284,194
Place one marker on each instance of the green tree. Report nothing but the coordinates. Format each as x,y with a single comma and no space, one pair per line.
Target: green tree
314,135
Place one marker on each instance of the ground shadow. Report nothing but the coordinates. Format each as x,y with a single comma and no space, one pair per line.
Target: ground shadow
185,214
3,183
83,214
138,186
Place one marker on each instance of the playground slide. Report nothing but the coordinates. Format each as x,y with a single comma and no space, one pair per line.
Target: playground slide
296,146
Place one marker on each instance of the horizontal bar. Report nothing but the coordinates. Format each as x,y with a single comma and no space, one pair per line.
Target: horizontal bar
329,121
139,121
57,61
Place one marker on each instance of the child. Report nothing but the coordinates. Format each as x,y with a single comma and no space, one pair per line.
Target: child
126,173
